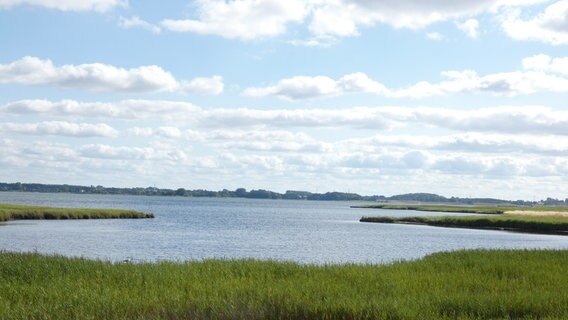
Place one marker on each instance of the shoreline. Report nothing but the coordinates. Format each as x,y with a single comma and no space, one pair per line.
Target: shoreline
489,228
550,225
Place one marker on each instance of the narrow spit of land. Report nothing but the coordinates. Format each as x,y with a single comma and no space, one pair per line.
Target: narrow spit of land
478,284
542,220
10,212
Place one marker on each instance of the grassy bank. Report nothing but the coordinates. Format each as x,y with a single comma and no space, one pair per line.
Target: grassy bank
23,212
530,224
463,209
466,284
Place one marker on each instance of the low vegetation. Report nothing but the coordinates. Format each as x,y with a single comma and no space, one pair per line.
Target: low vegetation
23,212
519,223
479,284
538,219
463,209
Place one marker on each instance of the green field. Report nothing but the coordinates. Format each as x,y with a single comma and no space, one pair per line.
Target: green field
476,284
23,212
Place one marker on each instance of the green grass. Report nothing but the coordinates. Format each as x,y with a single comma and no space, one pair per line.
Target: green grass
462,209
21,212
531,224
504,284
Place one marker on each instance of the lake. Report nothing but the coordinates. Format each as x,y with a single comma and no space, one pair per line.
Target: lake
201,228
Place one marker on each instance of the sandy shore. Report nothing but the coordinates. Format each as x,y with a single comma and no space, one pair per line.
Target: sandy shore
538,213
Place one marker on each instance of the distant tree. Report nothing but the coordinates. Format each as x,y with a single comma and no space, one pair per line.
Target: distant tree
241,192
180,192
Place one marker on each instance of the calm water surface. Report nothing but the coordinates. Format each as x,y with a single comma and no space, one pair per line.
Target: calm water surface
200,228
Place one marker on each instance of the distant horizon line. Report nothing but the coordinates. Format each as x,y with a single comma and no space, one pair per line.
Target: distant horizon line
242,192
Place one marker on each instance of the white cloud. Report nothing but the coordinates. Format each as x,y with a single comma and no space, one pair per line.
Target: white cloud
346,17
501,119
529,119
482,143
98,77
256,140
136,22
540,73
169,132
244,19
60,128
304,87
550,26
127,109
213,85
254,19
264,140
67,5
545,63
321,42
469,27
436,36
102,151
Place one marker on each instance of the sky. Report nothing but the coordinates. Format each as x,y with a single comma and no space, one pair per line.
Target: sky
459,98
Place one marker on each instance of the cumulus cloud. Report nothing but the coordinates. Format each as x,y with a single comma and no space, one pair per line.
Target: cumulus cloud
266,140
245,20
98,77
469,27
250,140
67,5
103,151
305,87
127,109
484,143
254,19
550,26
136,22
345,17
60,128
540,73
213,85
501,119
545,63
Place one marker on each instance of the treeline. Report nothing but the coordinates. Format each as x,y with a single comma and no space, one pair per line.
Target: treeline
266,194
153,191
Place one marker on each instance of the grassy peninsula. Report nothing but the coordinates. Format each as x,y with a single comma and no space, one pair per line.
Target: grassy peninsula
479,284
24,212
437,208
529,224
544,220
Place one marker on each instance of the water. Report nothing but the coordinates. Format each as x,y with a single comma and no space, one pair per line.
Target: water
201,228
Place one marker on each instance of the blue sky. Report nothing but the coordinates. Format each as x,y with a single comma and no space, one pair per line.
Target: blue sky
377,97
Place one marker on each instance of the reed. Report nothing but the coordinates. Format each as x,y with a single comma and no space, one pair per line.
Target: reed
479,284
23,212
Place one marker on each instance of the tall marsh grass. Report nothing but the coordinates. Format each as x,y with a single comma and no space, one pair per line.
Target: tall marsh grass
480,284
21,212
